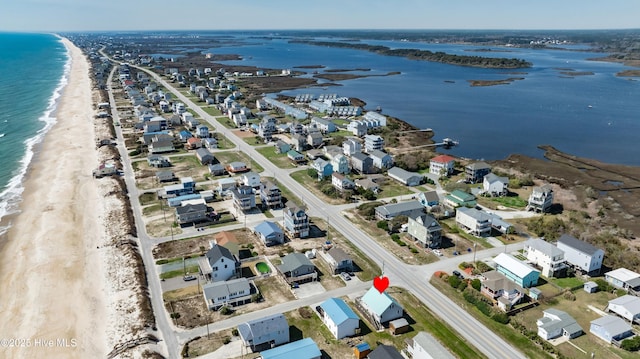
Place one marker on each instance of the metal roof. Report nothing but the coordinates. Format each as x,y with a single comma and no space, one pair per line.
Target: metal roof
302,349
577,244
338,310
513,265
378,302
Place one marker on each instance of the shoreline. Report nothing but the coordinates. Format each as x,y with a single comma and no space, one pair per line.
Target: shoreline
50,265
12,193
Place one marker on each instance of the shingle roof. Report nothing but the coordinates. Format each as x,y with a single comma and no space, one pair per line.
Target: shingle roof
544,247
338,310
385,352
293,261
224,289
216,252
338,254
390,209
577,244
564,321
443,159
261,327
432,346
478,166
266,228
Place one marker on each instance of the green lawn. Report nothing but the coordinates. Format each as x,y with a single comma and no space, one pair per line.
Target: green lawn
226,122
223,142
392,188
512,202
211,110
571,282
179,272
279,159
314,186
233,156
253,141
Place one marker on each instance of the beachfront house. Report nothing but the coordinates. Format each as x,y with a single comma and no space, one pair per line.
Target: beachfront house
504,292
541,199
627,307
611,329
244,199
300,349
442,165
341,182
381,160
362,163
580,254
218,264
351,146
495,186
475,172
323,168
232,292
340,164
372,143
191,213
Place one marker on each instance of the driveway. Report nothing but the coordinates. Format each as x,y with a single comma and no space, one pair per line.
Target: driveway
307,290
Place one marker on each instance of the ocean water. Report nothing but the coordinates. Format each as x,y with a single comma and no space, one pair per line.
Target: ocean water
594,116
33,72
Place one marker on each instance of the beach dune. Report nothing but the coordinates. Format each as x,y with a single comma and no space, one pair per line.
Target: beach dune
53,299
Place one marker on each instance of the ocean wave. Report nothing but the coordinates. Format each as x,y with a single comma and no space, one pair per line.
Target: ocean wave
11,196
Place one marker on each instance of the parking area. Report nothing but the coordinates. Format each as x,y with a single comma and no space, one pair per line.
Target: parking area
308,290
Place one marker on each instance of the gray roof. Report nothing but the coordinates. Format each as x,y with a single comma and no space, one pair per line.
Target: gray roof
203,152
630,303
360,156
479,216
378,154
612,324
565,322
577,244
219,289
496,281
493,178
191,208
338,254
385,352
391,209
432,346
544,247
261,327
431,196
216,252
402,173
292,261
165,175
478,166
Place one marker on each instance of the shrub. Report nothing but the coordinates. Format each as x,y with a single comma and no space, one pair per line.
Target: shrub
383,225
235,332
476,284
502,318
305,312
462,286
413,250
568,295
470,297
631,345
226,310
484,308
226,340
454,281
395,237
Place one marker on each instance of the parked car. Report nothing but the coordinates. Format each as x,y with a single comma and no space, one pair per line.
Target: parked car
345,276
458,274
188,278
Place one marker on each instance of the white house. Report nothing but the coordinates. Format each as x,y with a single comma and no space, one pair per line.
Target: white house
610,328
555,323
341,182
263,333
541,199
546,256
251,179
339,318
474,221
425,346
380,307
373,142
340,164
218,264
581,254
381,160
232,292
627,306
494,185
441,165
351,146
405,177
624,279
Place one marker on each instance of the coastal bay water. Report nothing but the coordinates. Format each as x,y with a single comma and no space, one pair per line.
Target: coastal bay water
595,114
33,70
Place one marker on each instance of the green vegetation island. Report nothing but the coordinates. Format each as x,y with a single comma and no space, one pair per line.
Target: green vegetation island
426,55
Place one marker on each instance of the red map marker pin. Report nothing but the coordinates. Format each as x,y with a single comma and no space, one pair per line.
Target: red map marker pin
381,283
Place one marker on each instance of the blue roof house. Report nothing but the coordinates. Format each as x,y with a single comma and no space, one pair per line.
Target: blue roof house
323,168
302,349
270,233
339,318
381,307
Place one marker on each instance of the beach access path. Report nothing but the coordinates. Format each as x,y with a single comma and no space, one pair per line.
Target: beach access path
53,300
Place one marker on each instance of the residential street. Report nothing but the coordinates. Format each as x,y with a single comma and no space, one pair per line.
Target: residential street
413,278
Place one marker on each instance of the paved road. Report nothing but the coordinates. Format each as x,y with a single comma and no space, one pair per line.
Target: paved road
413,278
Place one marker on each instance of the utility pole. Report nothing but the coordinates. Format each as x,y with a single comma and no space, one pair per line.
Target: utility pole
474,252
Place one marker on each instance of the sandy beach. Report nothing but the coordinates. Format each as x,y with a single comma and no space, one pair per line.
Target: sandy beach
53,300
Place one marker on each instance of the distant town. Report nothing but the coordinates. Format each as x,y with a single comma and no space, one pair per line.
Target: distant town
262,223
